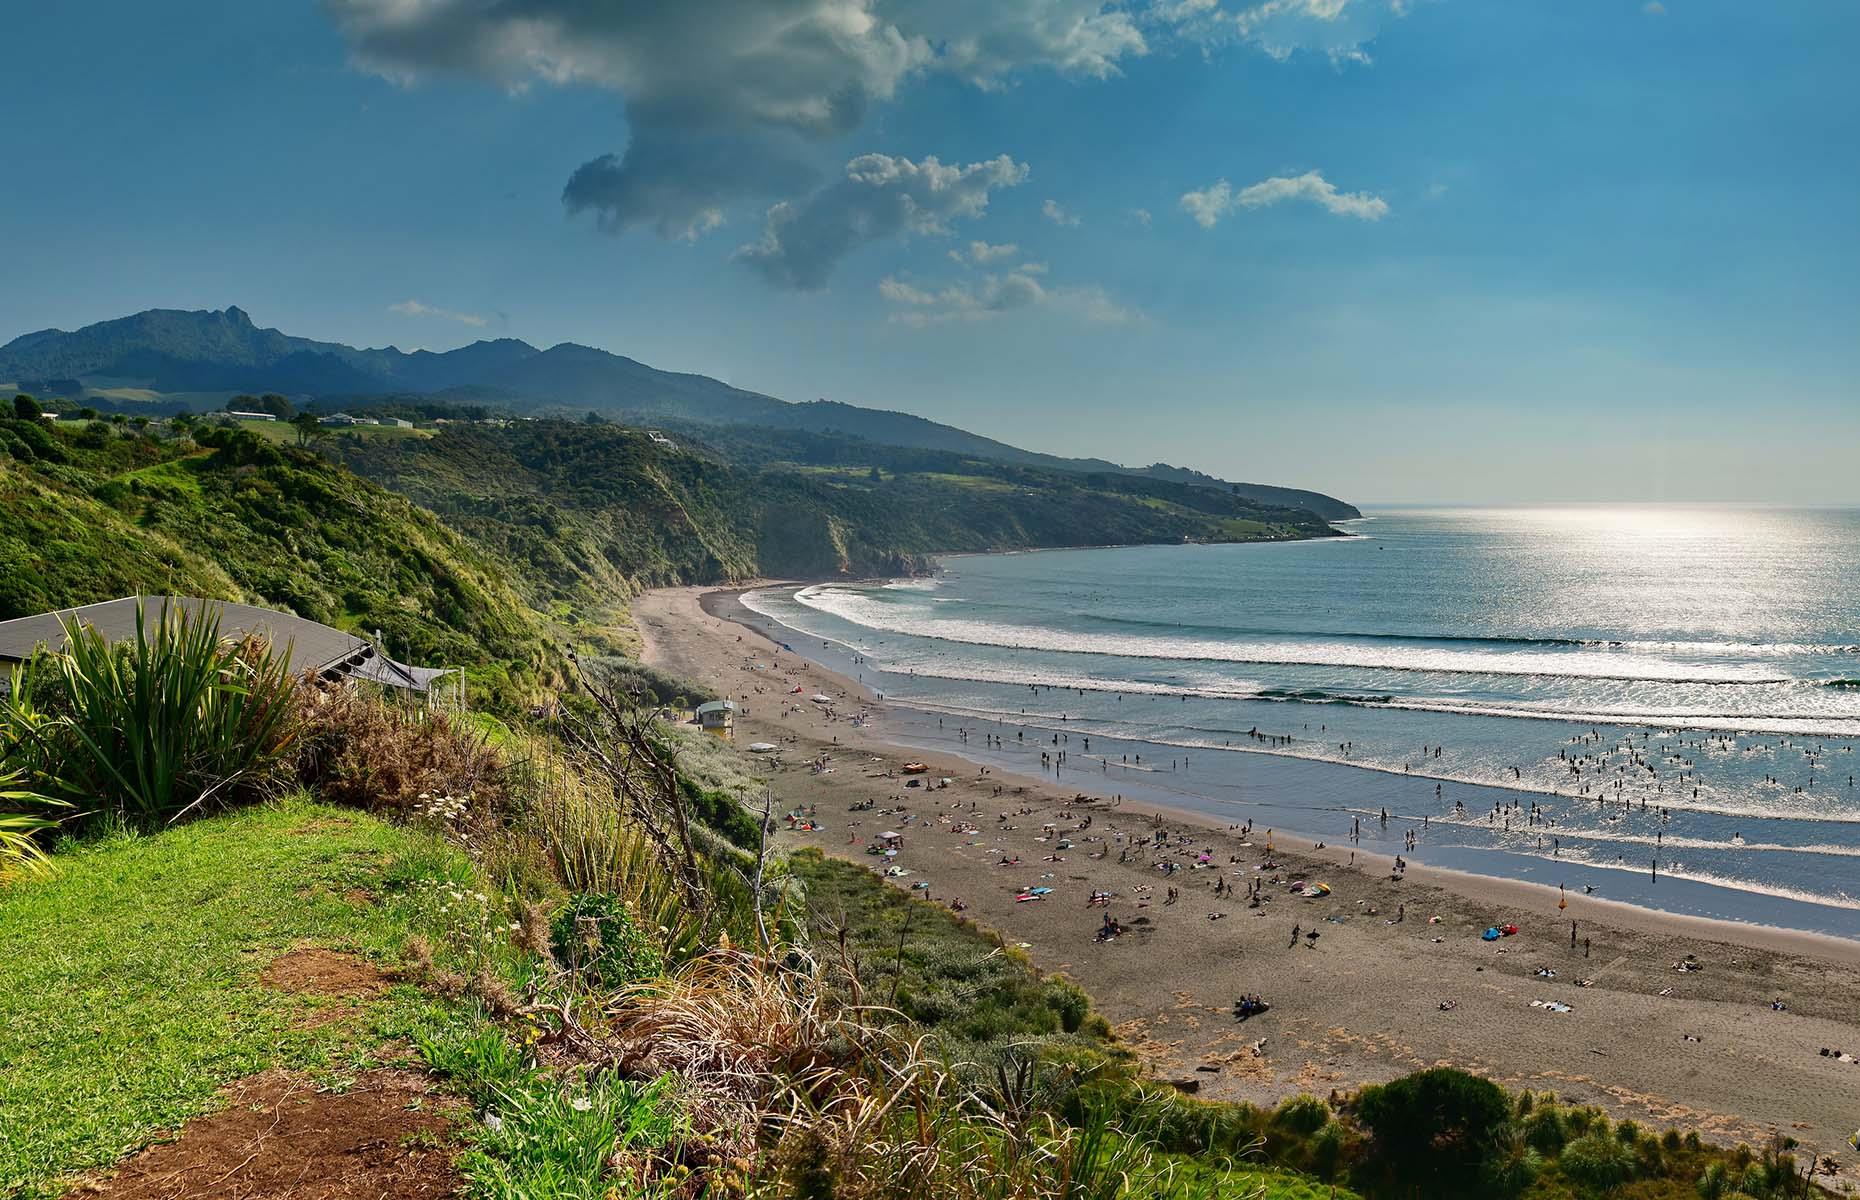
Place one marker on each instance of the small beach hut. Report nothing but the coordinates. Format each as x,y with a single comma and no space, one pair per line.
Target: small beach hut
718,717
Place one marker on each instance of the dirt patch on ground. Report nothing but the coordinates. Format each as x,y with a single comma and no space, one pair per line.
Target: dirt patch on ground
322,972
385,1138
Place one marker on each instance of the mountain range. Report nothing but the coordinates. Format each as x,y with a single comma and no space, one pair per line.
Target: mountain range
173,353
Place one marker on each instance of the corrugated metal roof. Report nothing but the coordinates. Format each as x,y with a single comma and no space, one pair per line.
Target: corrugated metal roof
310,645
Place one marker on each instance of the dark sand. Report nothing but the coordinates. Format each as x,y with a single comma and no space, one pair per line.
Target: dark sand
1360,1005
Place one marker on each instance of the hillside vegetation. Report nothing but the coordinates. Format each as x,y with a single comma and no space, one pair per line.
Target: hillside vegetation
490,547
586,508
111,511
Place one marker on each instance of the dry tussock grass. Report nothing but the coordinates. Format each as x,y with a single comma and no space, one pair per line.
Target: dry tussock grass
824,1096
365,751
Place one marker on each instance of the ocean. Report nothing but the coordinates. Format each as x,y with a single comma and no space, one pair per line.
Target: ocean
1659,702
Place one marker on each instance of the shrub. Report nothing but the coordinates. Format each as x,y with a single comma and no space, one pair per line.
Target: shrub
1070,1002
1302,1115
1328,1148
1436,1124
721,811
173,722
1545,1131
646,685
598,935
1511,1166
1598,1162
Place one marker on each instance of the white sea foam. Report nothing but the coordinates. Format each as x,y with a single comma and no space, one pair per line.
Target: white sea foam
1802,724
1580,663
1835,899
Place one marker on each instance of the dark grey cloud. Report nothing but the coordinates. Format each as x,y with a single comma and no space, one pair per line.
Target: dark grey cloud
682,187
879,197
723,96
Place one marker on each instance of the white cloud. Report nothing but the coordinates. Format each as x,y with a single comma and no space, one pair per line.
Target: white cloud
992,295
880,196
723,97
1053,212
413,308
1211,203
1654,8
1338,29
1141,216
981,253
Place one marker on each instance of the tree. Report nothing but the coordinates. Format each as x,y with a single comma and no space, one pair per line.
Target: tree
26,408
278,406
1436,1125
242,403
306,426
87,414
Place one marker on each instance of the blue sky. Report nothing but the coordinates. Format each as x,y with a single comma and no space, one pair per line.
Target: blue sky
1468,250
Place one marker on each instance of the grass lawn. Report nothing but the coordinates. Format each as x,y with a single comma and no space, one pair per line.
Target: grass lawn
129,985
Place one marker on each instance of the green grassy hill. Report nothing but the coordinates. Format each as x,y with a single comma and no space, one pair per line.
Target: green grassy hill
110,511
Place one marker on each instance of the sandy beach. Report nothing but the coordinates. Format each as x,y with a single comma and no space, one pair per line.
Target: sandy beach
1398,976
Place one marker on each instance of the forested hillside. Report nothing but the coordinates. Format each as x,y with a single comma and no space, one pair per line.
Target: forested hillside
92,511
592,507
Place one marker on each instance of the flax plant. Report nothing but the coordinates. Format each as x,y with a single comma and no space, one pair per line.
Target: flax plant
173,722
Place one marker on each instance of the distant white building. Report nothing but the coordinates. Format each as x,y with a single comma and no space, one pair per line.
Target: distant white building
252,416
660,439
397,422
345,419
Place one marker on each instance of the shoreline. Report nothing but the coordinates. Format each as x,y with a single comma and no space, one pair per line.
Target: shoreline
726,604
1329,788
1358,1005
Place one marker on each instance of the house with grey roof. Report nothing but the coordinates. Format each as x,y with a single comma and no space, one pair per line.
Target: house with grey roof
307,645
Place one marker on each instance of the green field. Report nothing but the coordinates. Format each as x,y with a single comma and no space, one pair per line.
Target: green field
130,992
